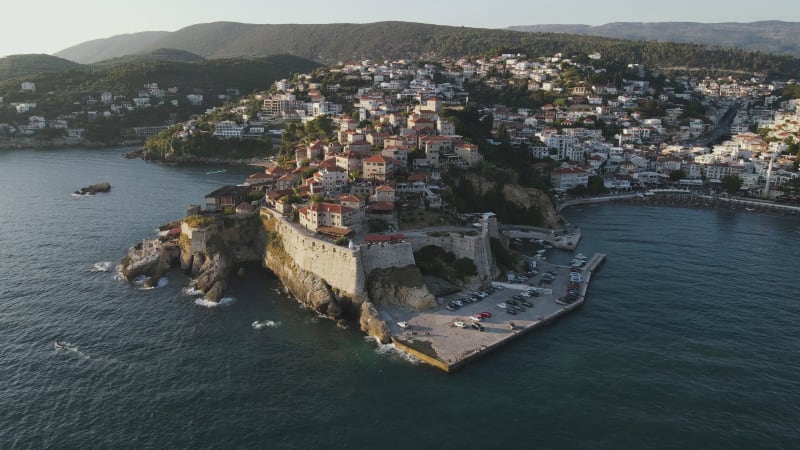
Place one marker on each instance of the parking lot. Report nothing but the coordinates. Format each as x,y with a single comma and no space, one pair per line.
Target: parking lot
438,333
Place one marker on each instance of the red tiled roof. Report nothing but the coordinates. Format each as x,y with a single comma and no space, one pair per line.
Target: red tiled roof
568,170
329,207
378,159
382,206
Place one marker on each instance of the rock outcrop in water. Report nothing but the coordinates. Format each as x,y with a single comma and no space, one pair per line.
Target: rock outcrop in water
104,186
372,324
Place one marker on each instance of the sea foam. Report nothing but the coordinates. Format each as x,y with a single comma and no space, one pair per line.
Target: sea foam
265,324
102,266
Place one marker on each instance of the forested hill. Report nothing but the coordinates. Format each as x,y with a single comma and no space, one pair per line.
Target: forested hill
329,43
115,46
213,75
767,36
22,65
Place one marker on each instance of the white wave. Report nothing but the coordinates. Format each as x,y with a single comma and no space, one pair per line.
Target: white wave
391,351
102,266
140,284
191,291
225,301
264,324
203,302
67,347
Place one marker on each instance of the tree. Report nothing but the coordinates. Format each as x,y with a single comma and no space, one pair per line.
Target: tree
676,175
731,183
465,267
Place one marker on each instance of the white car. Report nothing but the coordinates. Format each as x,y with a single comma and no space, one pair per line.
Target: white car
475,318
502,306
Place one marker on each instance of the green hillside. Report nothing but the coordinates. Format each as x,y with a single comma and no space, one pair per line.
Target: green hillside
166,54
330,43
334,42
768,36
15,66
218,74
115,46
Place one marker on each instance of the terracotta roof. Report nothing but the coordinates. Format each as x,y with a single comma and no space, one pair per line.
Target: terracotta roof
384,188
378,159
568,170
330,208
382,206
335,231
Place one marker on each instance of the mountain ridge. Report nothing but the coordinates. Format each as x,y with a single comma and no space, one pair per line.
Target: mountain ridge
332,43
770,36
95,50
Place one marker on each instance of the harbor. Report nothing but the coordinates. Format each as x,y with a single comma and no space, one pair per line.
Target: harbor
449,338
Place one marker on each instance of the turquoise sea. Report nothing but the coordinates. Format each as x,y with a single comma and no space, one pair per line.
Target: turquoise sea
690,338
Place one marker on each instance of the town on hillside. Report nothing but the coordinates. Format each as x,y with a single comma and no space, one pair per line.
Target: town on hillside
358,142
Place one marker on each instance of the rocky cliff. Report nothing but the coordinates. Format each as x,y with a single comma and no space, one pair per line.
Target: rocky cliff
527,198
308,288
401,286
209,252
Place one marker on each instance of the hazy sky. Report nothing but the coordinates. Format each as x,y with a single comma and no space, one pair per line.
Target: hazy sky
47,26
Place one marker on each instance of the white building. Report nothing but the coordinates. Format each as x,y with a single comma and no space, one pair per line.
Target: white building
228,129
195,99
567,178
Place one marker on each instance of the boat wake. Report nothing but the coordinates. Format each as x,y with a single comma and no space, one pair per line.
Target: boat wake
216,171
265,324
102,266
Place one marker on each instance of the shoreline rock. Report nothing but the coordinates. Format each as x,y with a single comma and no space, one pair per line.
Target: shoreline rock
103,186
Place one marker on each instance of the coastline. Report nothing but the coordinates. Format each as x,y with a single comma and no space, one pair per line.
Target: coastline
733,204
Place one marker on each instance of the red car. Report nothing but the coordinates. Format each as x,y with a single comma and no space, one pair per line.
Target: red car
484,315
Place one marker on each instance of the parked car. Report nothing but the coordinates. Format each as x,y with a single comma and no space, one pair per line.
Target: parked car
484,314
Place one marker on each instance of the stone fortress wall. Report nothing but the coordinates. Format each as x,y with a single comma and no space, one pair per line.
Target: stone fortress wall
477,247
339,266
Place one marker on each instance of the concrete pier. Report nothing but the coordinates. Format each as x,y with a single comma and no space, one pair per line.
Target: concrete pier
433,338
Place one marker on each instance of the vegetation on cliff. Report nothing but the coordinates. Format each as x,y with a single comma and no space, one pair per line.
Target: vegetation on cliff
167,146
436,261
58,90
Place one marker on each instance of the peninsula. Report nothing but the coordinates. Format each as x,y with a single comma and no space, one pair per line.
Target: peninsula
397,193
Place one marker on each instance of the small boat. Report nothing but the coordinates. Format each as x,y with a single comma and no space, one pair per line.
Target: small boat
60,345
404,325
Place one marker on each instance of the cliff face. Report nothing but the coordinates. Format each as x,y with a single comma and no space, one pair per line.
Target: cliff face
521,196
402,286
210,253
308,288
